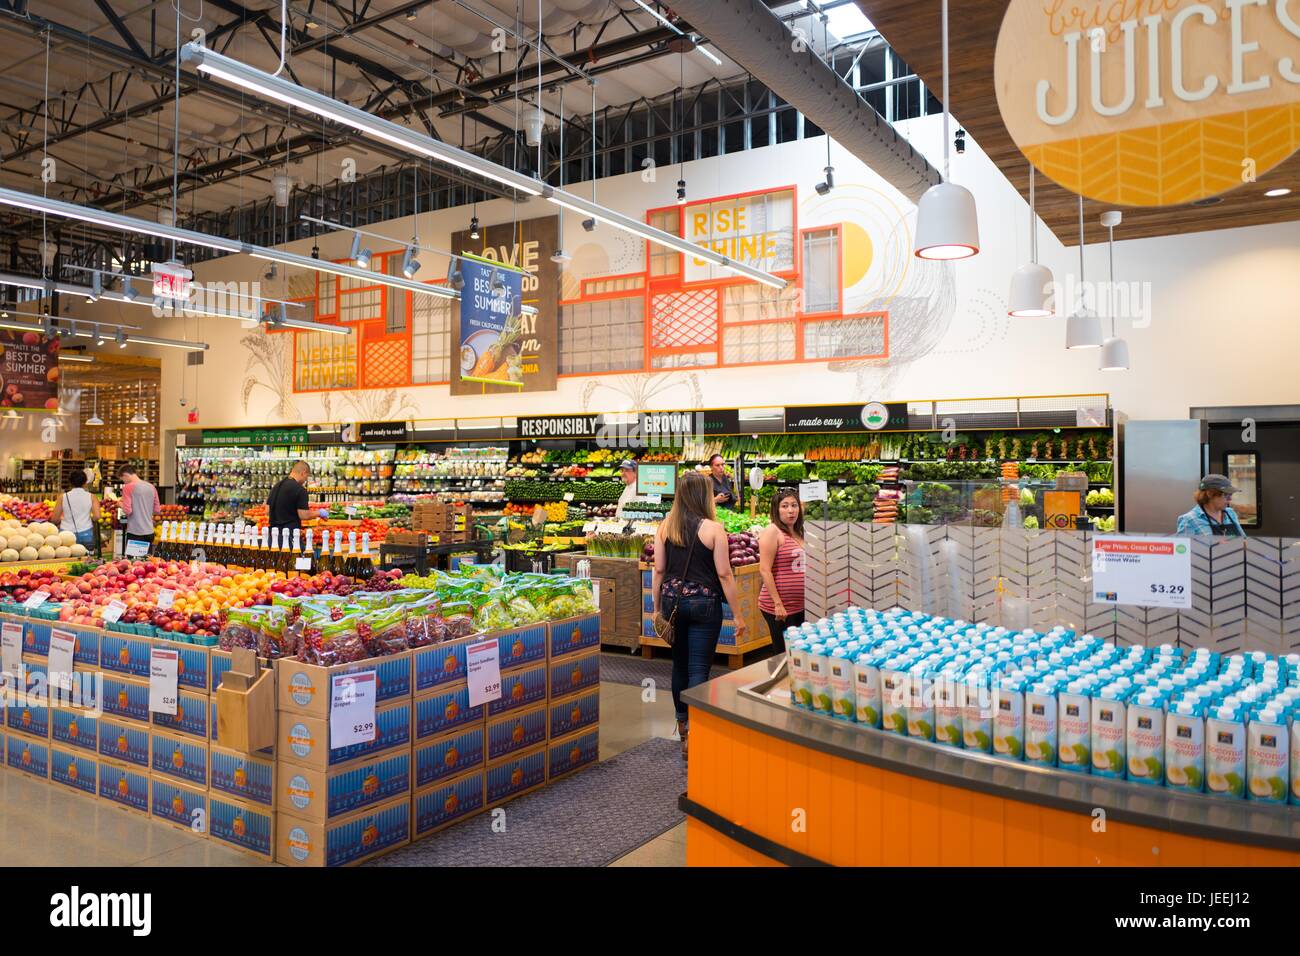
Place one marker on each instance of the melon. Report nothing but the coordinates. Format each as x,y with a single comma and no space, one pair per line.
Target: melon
45,553
4,542
8,554
48,529
17,541
63,551
67,539
78,550
28,554
53,540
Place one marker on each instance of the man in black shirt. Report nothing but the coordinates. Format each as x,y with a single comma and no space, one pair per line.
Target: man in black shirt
288,505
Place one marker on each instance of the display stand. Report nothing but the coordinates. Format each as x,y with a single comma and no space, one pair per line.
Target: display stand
749,583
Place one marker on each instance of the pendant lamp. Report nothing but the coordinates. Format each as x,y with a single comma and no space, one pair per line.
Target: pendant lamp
946,226
1114,351
94,418
1031,284
139,418
1082,328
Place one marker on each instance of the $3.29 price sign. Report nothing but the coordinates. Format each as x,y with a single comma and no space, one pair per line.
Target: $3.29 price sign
352,709
1146,572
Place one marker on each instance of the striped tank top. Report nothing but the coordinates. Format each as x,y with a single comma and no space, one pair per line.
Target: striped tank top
787,571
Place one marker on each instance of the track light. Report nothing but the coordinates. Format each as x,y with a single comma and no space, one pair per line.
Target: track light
589,225
128,289
359,255
473,227
96,287
315,251
47,326
120,338
959,142
828,184
455,278
100,339
560,257
681,192
410,265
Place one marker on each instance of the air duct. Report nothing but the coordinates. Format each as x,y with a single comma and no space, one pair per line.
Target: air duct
754,37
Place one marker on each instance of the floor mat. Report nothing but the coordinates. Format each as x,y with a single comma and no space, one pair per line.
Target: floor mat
590,819
634,669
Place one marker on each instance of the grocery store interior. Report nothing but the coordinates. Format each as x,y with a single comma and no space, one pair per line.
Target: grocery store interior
642,433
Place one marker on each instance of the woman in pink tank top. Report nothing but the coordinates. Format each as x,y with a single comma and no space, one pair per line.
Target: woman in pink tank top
781,564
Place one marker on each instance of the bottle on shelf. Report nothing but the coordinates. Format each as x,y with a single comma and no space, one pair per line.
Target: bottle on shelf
350,564
365,563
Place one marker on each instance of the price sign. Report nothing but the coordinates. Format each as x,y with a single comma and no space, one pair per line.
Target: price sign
588,527
11,648
302,563
812,491
1147,572
166,598
114,611
655,499
62,645
36,599
137,549
483,666
163,671
352,709
568,496
350,511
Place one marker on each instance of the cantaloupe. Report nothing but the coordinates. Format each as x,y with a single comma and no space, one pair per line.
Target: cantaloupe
17,541
45,553
53,540
4,542
48,529
8,554
67,539
28,554
78,551
63,551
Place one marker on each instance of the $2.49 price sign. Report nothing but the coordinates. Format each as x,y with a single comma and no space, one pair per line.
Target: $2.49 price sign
1146,572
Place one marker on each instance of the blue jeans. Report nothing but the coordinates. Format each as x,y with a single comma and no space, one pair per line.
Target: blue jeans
86,538
699,622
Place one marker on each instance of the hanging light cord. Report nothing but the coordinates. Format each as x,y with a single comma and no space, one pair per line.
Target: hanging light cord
1033,220
1111,297
946,174
45,183
1083,301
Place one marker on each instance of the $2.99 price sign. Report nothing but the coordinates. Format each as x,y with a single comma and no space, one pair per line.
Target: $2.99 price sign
352,709
483,670
1146,572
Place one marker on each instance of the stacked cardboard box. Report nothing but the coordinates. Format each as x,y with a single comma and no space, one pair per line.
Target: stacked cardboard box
451,523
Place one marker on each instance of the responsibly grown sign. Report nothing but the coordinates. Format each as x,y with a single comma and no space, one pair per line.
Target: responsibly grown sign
1151,102
29,371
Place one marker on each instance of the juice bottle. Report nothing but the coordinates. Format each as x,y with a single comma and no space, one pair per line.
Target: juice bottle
1074,728
1009,719
1146,739
1110,732
1040,724
1225,752
1268,757
1185,748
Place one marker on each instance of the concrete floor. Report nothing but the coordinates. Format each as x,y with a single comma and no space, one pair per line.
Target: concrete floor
43,824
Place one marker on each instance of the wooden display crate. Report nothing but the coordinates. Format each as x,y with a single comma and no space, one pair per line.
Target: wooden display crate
624,576
749,583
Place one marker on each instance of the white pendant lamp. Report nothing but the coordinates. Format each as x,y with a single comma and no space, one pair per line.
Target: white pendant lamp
139,418
946,226
94,418
1082,328
1114,351
1031,284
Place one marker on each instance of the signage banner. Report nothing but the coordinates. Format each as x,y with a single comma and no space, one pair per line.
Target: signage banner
1147,572
381,431
1150,104
290,435
501,349
559,426
29,371
873,416
714,421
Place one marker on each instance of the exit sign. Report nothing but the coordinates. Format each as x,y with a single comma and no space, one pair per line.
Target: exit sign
171,280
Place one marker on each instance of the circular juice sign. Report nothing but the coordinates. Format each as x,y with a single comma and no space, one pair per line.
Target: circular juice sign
1151,102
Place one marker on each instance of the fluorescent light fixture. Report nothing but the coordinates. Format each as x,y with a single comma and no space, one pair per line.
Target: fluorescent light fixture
352,272
169,343
477,428
697,40
256,81
121,337
659,237
11,415
659,16
75,358
112,220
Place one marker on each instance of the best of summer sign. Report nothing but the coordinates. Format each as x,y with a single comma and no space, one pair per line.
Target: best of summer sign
29,371
1148,572
1151,102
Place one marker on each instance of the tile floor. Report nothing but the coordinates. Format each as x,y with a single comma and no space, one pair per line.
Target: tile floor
43,824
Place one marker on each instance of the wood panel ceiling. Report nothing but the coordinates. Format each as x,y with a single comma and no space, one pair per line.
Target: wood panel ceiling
912,28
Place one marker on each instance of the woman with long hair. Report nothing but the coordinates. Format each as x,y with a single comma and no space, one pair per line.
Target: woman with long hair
781,564
692,577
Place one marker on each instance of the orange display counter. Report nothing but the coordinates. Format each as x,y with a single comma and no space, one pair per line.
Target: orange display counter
769,784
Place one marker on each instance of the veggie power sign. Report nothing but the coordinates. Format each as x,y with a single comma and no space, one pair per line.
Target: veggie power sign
1151,102
29,371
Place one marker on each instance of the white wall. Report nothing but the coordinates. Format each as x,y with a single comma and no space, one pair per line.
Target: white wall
1224,329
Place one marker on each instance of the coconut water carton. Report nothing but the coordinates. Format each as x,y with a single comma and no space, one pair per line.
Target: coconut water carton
894,685
975,703
1110,732
800,678
920,702
1268,757
1185,747
1074,728
840,666
1040,724
1146,739
1225,752
1295,755
1009,718
819,677
947,709
866,688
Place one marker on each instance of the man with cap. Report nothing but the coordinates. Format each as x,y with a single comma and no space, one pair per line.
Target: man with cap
1213,514
627,471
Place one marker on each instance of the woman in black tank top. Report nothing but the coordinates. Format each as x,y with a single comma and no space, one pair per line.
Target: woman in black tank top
693,569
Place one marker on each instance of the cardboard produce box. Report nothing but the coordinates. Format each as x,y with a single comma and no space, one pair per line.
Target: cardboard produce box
573,712
126,741
75,729
126,698
178,805
320,795
305,740
245,826
74,769
572,753
30,719
450,755
439,665
441,804
568,675
249,778
444,710
514,731
521,646
124,785
574,635
345,841
180,757
305,688
191,717
516,775
28,755
520,687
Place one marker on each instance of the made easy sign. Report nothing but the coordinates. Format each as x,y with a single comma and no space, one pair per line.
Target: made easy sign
1150,102
873,416
1147,572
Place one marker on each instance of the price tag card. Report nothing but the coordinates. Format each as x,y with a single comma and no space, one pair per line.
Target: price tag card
483,665
352,709
350,511
62,645
11,648
812,491
166,598
1147,572
655,499
595,596
302,563
114,611
568,496
137,549
588,527
163,671
36,599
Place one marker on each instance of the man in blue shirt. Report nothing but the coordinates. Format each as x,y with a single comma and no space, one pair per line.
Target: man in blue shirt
1213,514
